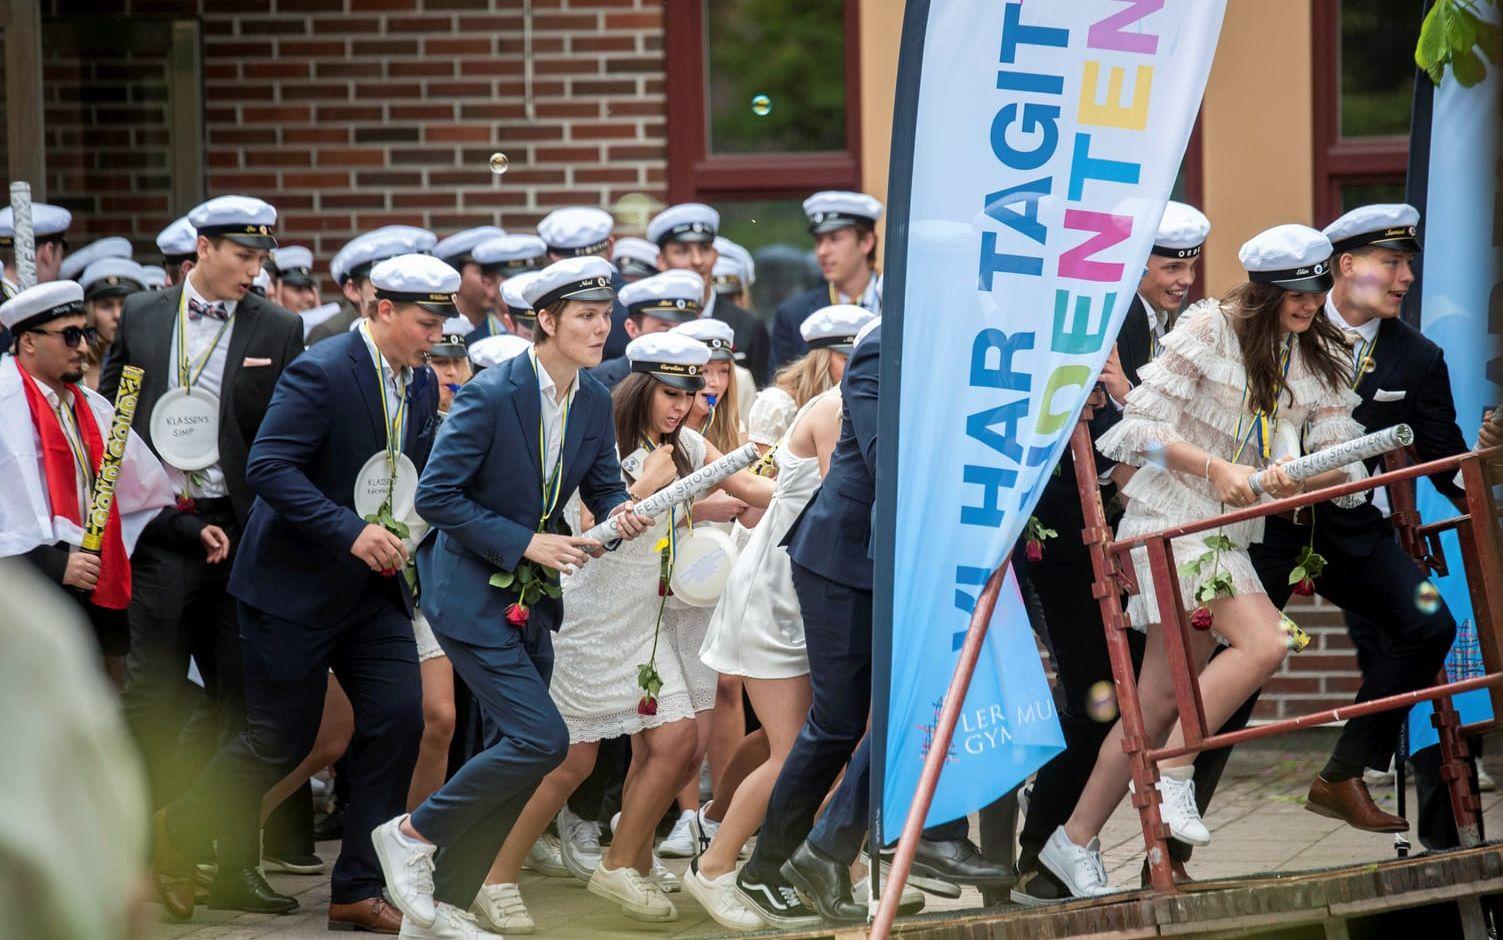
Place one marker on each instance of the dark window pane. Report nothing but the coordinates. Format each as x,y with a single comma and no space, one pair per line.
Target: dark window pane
1377,67
775,75
1363,194
774,231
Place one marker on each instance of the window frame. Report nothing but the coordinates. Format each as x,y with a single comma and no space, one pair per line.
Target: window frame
696,174
1339,160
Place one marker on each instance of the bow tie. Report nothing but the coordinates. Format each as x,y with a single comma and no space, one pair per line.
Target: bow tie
198,309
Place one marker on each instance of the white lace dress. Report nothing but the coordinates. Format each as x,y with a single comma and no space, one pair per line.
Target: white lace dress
610,609
1193,392
685,625
757,629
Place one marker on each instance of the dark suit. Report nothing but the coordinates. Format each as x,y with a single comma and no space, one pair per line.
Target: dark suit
611,372
180,606
787,342
1367,573
1072,614
482,493
832,573
336,325
307,604
751,337
615,342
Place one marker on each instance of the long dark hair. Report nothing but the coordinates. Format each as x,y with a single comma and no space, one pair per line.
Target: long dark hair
632,404
1254,311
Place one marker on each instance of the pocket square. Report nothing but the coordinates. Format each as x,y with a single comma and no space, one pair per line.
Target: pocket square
1385,395
252,362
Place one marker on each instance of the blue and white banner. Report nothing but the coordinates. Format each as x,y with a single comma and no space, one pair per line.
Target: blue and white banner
1035,144
1461,269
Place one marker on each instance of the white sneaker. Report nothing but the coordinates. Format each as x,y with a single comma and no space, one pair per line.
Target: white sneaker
1081,869
1378,778
680,842
911,902
546,857
408,867
1485,781
579,844
1179,812
703,829
450,923
639,898
721,900
500,908
666,880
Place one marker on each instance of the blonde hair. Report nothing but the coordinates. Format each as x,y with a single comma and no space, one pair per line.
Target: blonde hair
805,378
724,427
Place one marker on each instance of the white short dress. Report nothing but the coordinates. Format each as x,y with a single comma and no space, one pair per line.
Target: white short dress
757,630
1193,392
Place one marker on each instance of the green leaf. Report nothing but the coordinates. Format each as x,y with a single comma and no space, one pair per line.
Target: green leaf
553,590
1190,568
1468,68
502,579
1297,575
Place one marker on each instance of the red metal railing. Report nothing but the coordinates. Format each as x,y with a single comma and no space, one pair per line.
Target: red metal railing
1114,572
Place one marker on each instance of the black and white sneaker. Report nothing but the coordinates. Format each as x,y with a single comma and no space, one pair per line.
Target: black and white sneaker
1039,888
776,902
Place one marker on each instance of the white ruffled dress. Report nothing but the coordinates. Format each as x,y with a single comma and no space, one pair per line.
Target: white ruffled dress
1193,392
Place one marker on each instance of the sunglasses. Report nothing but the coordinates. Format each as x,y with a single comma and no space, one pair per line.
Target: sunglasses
73,335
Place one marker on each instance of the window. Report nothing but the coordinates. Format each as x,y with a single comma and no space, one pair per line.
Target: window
1364,90
763,110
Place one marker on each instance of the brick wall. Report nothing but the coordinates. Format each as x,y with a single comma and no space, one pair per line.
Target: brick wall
349,114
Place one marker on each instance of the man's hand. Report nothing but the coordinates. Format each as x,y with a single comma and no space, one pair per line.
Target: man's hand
560,552
216,544
629,525
1491,433
379,549
1114,379
82,571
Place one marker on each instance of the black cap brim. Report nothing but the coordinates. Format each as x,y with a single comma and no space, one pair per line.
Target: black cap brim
692,238
448,310
594,293
831,225
262,242
1406,243
448,351
1315,284
688,383
114,290
296,280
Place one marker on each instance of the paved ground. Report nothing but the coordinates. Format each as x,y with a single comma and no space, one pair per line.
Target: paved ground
1258,824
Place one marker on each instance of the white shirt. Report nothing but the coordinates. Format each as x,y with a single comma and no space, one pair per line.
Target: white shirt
397,381
83,479
1369,333
207,483
871,297
553,416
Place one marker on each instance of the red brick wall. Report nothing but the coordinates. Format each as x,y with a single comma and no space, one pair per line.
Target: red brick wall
349,114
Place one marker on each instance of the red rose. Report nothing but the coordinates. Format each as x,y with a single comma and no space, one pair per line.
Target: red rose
647,705
388,572
1201,618
1305,588
186,504
516,615
1034,550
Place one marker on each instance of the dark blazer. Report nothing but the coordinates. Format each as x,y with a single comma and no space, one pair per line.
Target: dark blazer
751,338
324,423
616,340
336,325
482,492
832,537
787,342
610,372
1410,363
262,331
1059,505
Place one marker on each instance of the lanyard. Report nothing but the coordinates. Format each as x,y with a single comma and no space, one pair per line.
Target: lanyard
1364,362
493,325
65,417
396,424
553,481
187,372
649,446
1262,425
872,291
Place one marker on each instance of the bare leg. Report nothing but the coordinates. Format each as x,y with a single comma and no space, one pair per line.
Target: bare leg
438,731
335,729
1250,623
752,752
688,794
658,759
782,705
727,728
548,799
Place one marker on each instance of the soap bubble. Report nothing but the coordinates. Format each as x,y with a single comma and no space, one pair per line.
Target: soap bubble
1101,702
1426,598
761,105
499,163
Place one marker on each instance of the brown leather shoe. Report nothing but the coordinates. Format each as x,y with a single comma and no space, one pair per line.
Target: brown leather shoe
372,915
1350,802
171,872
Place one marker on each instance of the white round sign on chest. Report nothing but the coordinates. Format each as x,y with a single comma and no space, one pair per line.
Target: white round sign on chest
374,481
185,428
702,565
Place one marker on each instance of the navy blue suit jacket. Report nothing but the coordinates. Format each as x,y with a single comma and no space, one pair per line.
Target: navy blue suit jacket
483,492
616,340
610,372
833,536
787,342
324,422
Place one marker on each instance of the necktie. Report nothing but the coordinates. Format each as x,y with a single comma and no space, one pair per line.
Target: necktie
198,309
